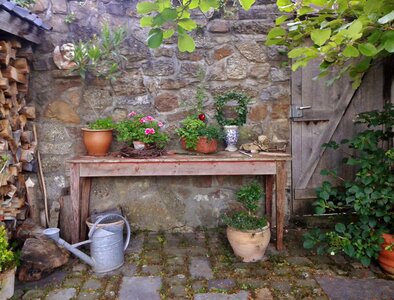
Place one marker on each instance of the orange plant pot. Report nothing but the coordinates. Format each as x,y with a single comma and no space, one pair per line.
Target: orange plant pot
204,145
386,257
97,142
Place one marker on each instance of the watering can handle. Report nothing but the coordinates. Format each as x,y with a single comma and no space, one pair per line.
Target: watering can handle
93,229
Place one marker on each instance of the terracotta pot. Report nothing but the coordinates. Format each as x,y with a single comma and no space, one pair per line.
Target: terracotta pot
250,245
204,145
386,257
97,142
7,282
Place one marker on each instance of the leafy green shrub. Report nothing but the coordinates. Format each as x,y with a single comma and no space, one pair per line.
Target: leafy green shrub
7,256
193,128
247,219
241,109
370,195
99,124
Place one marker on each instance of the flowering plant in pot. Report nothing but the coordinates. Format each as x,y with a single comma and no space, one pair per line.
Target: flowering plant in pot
8,261
141,131
97,137
247,231
196,135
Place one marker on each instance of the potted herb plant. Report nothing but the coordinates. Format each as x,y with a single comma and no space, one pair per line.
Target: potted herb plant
386,254
231,125
141,131
98,136
196,135
8,261
248,233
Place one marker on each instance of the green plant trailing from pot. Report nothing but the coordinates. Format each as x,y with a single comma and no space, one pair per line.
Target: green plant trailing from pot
192,128
222,100
247,219
141,128
370,195
102,123
101,55
98,136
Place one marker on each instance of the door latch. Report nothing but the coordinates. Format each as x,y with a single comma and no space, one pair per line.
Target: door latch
296,111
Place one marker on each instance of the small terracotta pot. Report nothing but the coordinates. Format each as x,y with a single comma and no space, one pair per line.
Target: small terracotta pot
386,257
97,142
204,145
250,245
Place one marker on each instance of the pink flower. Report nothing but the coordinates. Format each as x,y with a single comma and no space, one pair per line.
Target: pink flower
149,131
149,118
160,124
142,120
132,114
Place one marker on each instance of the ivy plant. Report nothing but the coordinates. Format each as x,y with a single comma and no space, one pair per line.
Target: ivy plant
241,108
166,18
349,35
369,196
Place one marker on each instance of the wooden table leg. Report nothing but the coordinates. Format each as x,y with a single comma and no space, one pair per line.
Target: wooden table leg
269,187
281,178
75,193
85,199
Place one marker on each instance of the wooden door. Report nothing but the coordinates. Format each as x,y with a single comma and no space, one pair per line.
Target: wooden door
330,117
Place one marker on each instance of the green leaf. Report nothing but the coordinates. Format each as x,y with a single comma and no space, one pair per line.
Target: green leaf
296,52
155,38
309,244
187,24
354,29
147,7
168,33
319,2
246,4
186,43
320,210
276,32
389,45
320,36
387,18
280,20
169,14
146,21
193,3
367,49
339,227
351,51
206,5
366,261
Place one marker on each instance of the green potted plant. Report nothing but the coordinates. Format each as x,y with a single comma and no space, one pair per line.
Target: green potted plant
248,233
369,195
8,261
141,131
196,135
231,125
97,137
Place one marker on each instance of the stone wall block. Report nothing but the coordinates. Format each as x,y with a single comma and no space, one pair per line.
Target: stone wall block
253,51
197,55
72,95
251,27
61,111
259,12
282,74
59,6
218,26
130,84
163,51
217,71
259,72
40,6
237,67
191,69
115,8
166,102
280,110
222,52
160,67
43,63
258,112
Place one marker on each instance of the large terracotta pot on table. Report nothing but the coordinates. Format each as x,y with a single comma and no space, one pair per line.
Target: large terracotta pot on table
97,141
204,145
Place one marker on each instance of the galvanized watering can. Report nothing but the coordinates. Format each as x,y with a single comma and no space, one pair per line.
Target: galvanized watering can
106,238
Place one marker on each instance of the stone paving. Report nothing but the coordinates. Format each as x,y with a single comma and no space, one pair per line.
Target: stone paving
201,266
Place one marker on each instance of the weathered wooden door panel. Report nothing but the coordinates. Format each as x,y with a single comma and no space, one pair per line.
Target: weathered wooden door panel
330,117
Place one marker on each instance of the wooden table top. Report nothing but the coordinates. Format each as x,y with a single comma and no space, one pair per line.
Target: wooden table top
186,157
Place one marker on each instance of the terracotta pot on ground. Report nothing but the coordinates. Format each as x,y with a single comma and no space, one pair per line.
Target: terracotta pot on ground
249,245
7,282
97,142
204,145
386,257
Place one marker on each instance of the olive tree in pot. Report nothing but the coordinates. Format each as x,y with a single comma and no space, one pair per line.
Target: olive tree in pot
248,233
8,261
98,136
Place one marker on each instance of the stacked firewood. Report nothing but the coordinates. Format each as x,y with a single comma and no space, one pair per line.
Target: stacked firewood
17,141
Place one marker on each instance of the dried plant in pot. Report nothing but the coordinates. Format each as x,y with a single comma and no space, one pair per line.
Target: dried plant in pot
8,261
97,137
248,233
198,136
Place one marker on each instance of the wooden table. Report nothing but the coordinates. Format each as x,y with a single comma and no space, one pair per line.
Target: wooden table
84,168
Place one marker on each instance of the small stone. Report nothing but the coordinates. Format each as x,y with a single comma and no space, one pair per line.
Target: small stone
200,268
33,295
222,52
72,282
137,288
166,102
62,294
129,270
264,294
59,6
92,284
93,295
80,268
282,286
243,295
221,284
253,51
136,244
307,283
177,291
236,67
218,26
178,261
280,74
151,270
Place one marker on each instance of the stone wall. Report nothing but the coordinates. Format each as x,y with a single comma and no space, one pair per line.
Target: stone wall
162,82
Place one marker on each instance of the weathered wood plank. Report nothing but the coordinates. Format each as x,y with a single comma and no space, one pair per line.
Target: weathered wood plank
85,200
75,193
281,178
269,187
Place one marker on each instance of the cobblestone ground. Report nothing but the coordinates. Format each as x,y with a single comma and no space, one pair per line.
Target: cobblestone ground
201,266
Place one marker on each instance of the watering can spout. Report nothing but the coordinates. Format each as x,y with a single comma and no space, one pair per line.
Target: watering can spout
53,233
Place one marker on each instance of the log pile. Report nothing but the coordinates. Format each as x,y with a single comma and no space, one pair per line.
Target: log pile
17,142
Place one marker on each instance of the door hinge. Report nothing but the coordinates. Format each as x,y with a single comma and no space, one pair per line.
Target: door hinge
296,111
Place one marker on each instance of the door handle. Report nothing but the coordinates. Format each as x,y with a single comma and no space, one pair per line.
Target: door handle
304,107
